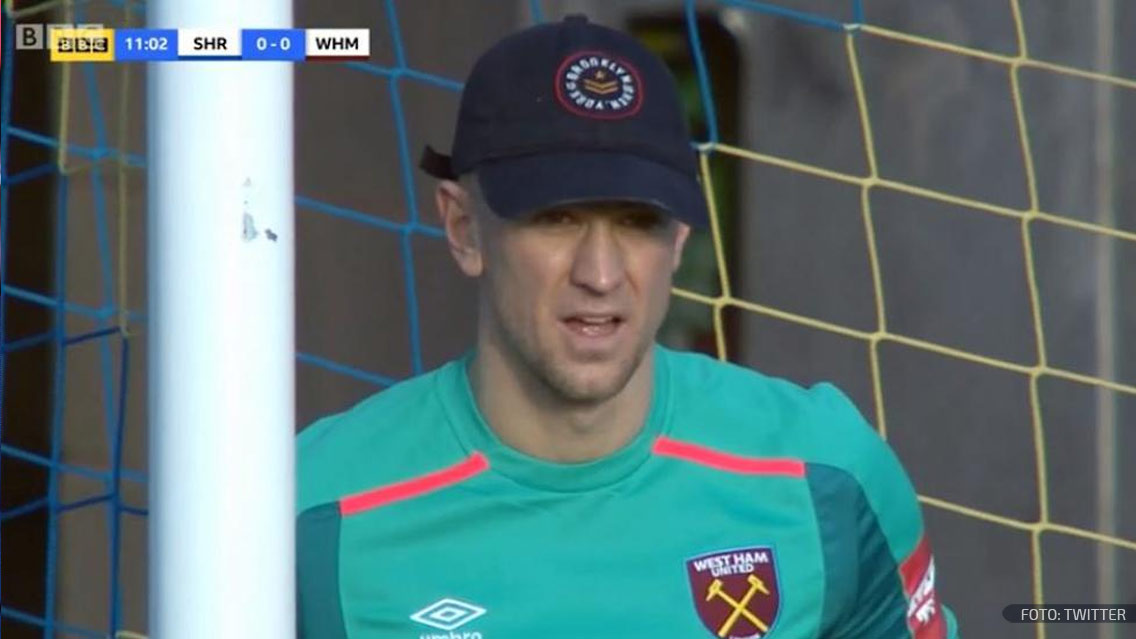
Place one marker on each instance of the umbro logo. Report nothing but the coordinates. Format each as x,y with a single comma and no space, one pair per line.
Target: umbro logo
448,614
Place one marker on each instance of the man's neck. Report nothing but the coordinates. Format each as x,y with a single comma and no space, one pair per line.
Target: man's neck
528,416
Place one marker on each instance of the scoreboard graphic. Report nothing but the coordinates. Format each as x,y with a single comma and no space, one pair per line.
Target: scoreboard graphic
96,43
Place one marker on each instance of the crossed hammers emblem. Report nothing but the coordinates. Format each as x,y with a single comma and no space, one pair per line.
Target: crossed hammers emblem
740,606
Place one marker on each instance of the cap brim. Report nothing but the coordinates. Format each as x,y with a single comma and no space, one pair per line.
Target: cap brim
514,187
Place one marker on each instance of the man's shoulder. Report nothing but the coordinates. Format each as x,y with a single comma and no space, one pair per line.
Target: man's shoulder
746,412
388,436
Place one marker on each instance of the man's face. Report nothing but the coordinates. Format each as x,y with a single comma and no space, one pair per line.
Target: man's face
576,294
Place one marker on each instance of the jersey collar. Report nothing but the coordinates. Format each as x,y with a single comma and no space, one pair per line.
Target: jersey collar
474,434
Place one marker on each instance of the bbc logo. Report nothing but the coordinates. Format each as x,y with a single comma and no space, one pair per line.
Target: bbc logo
82,45
36,36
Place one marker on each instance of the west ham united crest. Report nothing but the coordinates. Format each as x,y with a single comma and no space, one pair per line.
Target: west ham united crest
597,85
735,591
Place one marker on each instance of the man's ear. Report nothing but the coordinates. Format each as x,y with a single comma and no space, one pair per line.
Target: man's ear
681,235
456,210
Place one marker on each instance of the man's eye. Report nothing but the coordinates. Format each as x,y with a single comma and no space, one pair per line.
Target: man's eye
644,220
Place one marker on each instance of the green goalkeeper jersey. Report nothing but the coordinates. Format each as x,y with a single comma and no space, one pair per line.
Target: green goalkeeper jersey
745,507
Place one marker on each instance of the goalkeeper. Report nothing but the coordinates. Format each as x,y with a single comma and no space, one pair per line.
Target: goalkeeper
570,478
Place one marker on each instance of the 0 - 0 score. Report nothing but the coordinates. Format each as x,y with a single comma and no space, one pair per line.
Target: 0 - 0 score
262,44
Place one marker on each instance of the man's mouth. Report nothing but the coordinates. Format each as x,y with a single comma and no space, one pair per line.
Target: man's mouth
593,325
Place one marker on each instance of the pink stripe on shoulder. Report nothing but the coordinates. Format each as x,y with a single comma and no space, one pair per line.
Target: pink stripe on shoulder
667,447
416,487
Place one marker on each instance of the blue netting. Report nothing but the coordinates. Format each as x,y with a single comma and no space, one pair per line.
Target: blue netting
109,337
112,338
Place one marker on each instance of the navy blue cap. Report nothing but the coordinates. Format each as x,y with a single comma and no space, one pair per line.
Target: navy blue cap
573,112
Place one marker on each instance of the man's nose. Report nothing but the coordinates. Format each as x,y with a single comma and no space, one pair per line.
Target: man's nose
598,264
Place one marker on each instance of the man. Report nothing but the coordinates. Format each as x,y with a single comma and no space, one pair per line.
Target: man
569,478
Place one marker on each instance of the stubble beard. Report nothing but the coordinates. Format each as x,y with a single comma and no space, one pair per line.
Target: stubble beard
575,387
541,364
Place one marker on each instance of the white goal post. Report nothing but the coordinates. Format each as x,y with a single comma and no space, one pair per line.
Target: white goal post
220,333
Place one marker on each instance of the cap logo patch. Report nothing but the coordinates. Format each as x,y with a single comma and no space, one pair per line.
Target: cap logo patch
597,85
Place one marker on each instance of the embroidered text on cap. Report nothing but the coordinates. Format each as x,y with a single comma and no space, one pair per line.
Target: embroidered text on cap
597,85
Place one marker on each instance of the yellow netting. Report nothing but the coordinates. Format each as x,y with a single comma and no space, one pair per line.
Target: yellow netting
122,105
881,334
726,298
